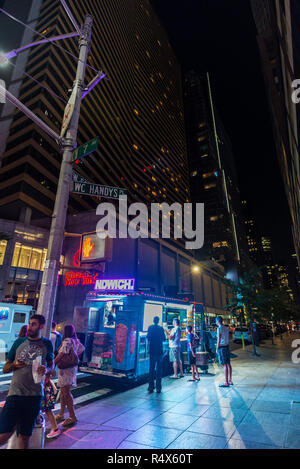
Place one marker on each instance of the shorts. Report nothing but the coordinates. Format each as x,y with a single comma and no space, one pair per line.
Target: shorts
175,354
224,355
20,411
192,359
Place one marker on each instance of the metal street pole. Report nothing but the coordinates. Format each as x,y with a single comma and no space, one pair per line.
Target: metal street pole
50,276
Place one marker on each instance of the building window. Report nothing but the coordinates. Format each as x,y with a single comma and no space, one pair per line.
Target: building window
28,257
208,175
3,245
220,244
210,186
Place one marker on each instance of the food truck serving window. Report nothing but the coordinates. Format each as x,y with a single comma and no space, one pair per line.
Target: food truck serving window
110,312
19,317
151,310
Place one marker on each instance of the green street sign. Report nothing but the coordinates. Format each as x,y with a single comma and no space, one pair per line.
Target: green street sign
85,149
97,190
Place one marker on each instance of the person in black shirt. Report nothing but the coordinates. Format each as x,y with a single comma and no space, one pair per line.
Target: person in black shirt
156,337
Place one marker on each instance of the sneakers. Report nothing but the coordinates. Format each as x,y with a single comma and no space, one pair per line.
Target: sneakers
53,433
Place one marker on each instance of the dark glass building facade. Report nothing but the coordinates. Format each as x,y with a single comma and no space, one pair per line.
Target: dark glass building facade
136,111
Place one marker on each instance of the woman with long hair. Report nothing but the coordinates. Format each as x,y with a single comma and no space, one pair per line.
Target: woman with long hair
67,376
23,331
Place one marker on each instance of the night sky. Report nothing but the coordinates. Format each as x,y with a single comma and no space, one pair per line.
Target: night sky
219,36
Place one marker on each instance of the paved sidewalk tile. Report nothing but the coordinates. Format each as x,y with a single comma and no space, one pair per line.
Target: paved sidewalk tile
133,419
293,439
155,436
265,434
225,414
104,439
176,421
282,407
100,414
269,418
239,444
190,409
190,440
213,427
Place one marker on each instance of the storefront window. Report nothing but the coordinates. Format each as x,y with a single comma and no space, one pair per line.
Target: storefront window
36,259
28,257
3,245
16,255
25,255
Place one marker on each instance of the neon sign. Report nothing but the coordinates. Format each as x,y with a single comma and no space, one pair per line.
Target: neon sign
115,284
83,278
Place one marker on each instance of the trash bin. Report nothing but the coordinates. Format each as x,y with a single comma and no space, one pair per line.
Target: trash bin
37,440
202,361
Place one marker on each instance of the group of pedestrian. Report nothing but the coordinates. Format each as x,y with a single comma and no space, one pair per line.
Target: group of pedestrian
157,335
30,393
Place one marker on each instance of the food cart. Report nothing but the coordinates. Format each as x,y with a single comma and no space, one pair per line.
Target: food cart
113,325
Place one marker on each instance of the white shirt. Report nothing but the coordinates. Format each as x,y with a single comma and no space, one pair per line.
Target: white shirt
224,331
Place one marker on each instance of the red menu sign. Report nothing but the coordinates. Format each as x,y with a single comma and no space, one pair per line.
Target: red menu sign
80,278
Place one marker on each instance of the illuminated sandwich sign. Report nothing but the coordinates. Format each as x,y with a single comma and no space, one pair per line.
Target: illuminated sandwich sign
124,284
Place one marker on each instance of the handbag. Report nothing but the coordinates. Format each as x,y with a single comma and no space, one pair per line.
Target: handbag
68,360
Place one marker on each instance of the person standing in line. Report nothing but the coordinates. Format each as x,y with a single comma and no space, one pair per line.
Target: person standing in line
223,351
56,338
191,346
175,348
67,376
156,337
23,331
24,397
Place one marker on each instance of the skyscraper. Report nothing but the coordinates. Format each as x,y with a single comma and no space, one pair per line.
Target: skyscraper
212,173
253,239
136,110
277,25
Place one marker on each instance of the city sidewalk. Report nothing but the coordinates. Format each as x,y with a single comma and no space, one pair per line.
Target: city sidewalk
261,410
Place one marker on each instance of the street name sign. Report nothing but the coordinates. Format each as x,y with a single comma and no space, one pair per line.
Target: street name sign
98,190
85,149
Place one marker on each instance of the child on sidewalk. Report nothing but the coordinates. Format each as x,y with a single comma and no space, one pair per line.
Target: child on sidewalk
48,404
191,345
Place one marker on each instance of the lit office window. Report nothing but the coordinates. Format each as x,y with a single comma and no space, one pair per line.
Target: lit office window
3,245
210,186
28,257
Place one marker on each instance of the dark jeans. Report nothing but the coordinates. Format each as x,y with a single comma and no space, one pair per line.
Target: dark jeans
155,371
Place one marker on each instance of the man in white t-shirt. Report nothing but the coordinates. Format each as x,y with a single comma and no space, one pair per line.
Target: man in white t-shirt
223,351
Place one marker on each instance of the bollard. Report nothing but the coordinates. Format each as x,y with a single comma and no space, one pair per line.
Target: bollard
243,342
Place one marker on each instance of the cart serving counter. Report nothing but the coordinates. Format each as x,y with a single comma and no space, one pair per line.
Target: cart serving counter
113,324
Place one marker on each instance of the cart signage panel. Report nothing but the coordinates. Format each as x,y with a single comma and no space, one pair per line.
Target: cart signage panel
124,284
